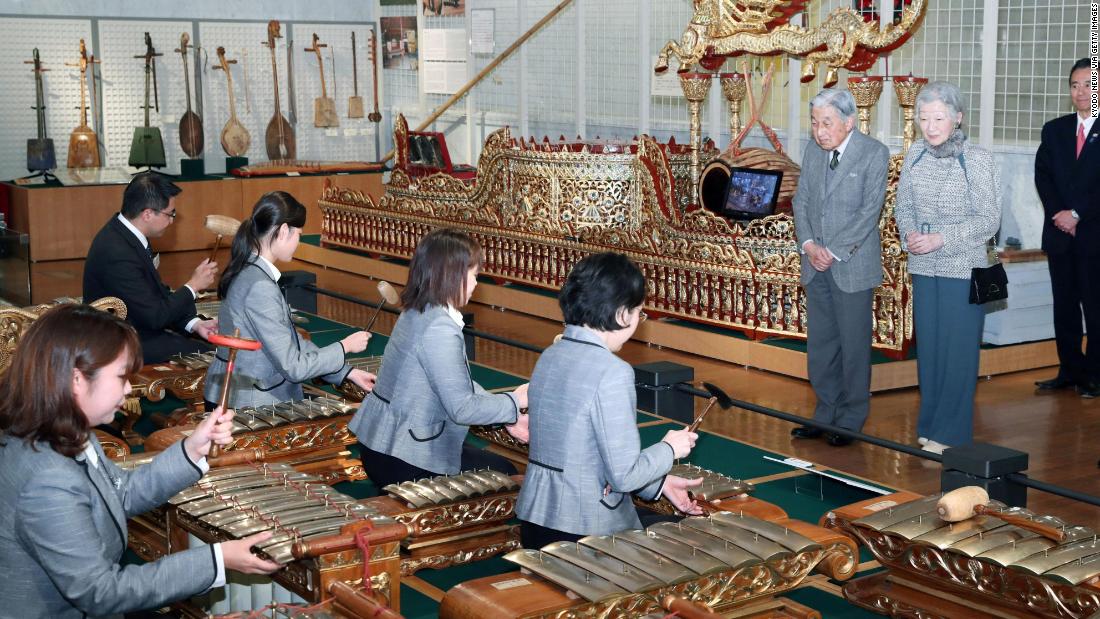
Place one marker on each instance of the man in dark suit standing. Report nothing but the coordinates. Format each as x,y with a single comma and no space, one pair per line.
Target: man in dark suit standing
836,213
120,264
1067,177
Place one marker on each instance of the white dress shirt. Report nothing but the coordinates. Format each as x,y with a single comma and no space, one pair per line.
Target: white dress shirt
156,262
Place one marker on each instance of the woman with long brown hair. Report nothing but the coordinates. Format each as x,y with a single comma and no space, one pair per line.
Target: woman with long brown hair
64,504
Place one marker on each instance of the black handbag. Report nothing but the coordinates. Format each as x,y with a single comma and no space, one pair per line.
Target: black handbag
988,284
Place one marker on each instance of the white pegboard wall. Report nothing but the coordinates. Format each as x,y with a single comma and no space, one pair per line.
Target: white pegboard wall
58,42
354,139
124,86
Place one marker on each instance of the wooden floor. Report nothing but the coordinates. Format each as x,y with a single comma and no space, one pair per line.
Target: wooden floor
1058,431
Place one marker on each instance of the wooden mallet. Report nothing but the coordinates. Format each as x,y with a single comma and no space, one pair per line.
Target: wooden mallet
963,503
717,396
220,225
390,296
234,343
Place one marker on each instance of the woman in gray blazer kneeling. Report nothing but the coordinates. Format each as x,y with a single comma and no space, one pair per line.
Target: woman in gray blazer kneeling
414,423
64,505
253,303
586,457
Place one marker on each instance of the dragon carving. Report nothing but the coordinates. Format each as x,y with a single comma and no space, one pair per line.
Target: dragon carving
723,28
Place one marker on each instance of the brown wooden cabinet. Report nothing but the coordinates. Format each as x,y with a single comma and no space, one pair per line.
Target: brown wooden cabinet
62,221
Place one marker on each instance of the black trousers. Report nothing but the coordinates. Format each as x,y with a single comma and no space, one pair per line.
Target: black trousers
384,469
1075,284
536,536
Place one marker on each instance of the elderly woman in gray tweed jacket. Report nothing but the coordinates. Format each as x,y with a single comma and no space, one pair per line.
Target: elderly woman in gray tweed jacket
948,207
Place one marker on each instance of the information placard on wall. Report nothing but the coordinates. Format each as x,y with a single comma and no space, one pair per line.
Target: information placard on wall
444,78
443,44
482,31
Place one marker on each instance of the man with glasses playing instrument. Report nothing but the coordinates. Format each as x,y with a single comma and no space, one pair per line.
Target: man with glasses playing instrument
121,264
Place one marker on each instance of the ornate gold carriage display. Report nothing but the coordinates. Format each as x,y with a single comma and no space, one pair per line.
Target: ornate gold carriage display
537,208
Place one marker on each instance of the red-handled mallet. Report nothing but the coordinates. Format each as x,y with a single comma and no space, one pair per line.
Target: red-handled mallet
234,343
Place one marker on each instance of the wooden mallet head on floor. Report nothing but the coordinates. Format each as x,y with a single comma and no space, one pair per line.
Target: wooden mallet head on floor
234,343
389,296
220,225
717,396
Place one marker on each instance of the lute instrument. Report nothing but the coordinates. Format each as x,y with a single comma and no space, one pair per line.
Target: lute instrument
374,116
279,137
191,134
83,143
40,152
355,102
235,138
324,108
147,147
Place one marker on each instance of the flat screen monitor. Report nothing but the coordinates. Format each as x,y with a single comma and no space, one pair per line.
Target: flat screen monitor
751,193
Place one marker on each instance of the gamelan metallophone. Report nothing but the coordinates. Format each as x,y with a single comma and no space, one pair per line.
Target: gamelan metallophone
238,501
350,390
183,376
455,519
723,560
1006,562
312,434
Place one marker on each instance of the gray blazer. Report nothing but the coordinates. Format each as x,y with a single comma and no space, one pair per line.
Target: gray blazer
275,373
840,209
584,437
964,205
424,398
63,532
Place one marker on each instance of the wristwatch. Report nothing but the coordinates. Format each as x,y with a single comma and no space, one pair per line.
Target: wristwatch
1074,214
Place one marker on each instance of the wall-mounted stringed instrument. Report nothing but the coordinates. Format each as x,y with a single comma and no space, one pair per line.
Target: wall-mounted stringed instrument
191,136
235,138
324,108
83,143
374,116
147,147
40,153
355,102
279,137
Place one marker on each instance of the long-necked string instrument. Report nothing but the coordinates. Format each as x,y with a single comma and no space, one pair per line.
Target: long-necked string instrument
191,134
234,343
373,53
83,143
279,137
147,147
324,108
221,226
235,138
94,106
355,102
40,152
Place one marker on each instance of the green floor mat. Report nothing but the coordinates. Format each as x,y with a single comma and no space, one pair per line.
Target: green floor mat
416,605
720,454
451,576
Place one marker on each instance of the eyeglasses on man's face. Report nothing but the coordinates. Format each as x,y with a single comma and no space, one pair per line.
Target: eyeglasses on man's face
169,214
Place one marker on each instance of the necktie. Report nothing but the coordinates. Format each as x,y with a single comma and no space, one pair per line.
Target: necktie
835,161
1080,139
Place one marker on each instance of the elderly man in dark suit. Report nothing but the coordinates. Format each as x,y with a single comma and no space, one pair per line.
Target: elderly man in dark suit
120,264
836,214
1067,176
